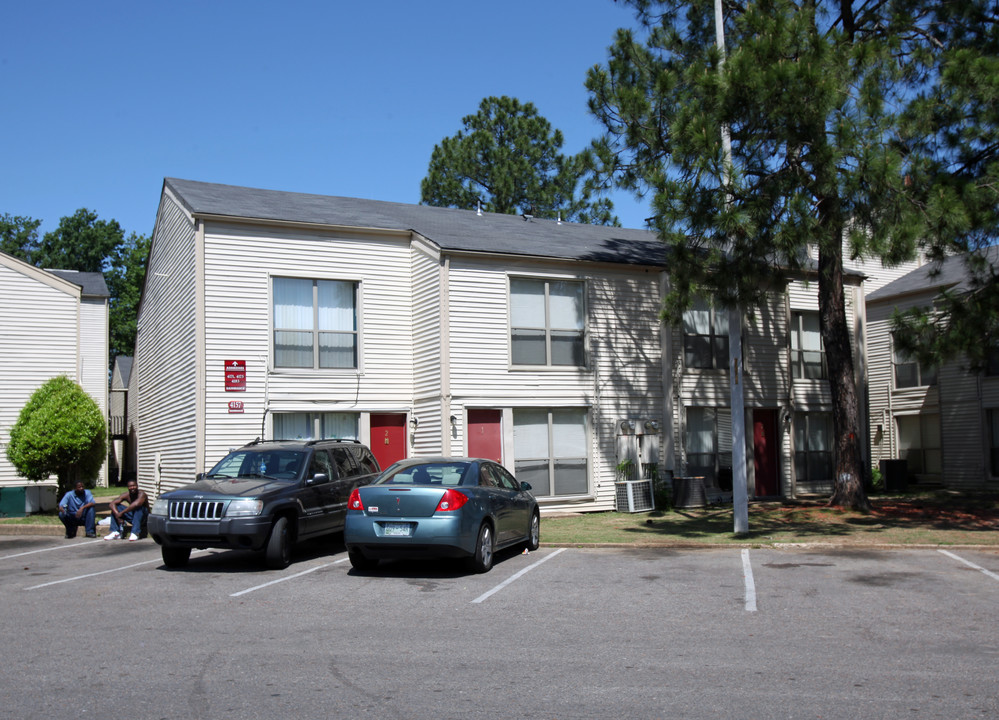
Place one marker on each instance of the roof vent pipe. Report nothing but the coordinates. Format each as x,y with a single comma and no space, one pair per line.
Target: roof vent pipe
478,208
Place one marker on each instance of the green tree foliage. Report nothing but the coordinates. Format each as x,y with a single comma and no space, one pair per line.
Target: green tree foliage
18,236
125,278
84,242
80,242
508,158
827,103
953,128
60,431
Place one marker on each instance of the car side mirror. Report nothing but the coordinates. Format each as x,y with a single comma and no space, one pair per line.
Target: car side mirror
318,479
200,476
525,486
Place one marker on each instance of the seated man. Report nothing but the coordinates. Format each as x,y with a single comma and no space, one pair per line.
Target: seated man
77,508
129,507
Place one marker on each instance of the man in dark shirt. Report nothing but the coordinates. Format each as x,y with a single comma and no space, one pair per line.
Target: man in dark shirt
129,507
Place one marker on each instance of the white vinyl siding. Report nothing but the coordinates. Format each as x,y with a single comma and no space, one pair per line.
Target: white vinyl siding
166,356
239,324
39,340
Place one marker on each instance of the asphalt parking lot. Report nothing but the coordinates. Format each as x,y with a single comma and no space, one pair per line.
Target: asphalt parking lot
101,629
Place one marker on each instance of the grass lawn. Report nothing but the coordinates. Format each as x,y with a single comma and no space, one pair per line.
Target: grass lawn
940,518
928,518
102,497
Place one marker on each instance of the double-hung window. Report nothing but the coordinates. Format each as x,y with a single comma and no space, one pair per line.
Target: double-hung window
813,447
909,372
919,443
547,322
709,441
551,450
315,323
705,336
808,357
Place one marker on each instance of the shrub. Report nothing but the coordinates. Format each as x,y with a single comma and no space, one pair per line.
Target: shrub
60,431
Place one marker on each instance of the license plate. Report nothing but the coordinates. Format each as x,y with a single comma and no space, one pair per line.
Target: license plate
397,529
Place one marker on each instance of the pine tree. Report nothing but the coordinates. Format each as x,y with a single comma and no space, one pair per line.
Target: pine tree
820,98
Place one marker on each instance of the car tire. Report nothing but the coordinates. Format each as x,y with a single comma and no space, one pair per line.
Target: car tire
277,555
534,532
360,562
175,557
485,546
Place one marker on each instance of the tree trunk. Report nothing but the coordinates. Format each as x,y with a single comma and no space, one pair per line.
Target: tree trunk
848,470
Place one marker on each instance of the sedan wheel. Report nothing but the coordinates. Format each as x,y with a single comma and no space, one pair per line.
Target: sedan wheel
359,562
482,561
534,532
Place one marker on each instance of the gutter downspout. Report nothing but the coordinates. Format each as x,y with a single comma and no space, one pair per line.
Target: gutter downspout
445,350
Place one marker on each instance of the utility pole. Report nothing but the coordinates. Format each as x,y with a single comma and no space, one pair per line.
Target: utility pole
740,499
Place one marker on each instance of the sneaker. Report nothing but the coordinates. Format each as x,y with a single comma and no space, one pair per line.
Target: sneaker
91,535
133,537
113,536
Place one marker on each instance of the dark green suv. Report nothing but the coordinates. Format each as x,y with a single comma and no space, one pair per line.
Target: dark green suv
264,496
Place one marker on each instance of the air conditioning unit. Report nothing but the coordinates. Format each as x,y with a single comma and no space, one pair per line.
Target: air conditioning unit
634,496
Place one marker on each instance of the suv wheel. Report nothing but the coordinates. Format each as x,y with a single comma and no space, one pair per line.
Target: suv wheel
277,555
175,557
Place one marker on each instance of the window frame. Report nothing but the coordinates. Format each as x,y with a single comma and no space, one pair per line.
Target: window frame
549,330
718,452
316,332
923,449
798,365
719,355
316,421
802,457
901,359
553,457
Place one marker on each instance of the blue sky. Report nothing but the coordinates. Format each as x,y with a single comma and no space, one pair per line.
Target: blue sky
105,99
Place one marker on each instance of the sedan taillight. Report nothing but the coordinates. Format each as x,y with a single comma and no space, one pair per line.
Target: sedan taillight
354,503
451,501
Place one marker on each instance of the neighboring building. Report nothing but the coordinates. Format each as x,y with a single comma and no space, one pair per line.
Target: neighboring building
943,422
121,428
423,330
53,322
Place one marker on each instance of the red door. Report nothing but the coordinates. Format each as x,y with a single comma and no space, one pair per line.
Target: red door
765,445
388,438
485,436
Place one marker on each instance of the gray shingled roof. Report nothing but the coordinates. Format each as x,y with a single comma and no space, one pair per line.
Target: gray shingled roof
452,230
952,272
91,283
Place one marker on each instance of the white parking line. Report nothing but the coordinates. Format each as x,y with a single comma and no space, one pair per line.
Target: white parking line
48,549
516,575
747,571
970,564
289,577
89,575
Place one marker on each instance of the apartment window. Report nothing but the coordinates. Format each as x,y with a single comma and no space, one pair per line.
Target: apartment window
709,442
315,426
919,443
808,356
813,447
551,450
315,323
992,362
705,336
993,420
909,372
547,322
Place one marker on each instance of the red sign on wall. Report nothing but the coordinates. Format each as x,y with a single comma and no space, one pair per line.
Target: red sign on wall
235,406
235,375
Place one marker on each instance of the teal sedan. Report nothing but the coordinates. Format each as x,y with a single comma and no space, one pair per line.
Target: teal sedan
440,507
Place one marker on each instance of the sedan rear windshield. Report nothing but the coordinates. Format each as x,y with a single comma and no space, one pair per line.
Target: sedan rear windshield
446,474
